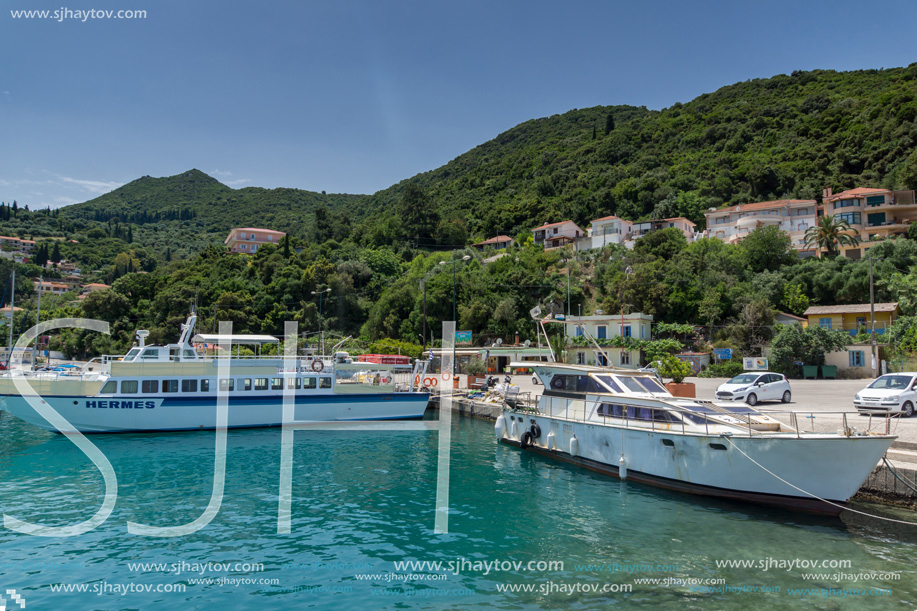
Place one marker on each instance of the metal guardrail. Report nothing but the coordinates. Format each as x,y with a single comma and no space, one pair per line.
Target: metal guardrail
797,422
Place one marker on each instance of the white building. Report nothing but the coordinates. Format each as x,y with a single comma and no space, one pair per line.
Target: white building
604,231
556,235
604,327
732,224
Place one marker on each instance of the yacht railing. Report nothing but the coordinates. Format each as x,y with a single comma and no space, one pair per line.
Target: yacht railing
688,421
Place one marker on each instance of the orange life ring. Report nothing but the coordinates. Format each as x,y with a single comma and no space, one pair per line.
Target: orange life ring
317,366
446,375
417,380
430,382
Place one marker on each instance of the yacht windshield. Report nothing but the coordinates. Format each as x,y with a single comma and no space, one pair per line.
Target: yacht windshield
651,385
610,383
632,384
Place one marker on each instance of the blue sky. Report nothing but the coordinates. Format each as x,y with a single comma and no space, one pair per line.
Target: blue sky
353,96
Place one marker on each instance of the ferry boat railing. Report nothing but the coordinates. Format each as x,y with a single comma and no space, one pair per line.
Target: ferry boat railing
721,421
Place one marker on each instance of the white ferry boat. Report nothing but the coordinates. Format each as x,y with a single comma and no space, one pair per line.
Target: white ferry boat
175,388
626,424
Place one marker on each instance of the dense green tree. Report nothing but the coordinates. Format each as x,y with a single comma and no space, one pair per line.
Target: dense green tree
767,248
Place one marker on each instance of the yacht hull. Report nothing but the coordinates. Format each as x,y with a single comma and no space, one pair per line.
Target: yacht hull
829,467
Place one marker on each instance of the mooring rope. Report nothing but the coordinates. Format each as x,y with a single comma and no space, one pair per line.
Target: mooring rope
895,473
814,496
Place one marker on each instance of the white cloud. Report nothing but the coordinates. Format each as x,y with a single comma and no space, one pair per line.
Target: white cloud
65,201
234,183
220,173
91,186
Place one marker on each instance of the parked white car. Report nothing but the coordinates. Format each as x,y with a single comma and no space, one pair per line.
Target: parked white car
893,393
754,386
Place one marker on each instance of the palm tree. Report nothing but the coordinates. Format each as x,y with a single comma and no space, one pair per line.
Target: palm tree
830,233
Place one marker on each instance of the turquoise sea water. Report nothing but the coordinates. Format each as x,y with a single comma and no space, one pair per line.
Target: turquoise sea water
366,500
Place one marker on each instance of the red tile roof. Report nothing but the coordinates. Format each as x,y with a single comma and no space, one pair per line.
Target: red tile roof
496,240
777,203
553,224
856,193
604,218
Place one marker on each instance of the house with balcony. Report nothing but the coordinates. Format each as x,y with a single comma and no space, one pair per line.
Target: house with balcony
247,240
638,230
604,231
53,288
604,327
556,235
853,318
794,216
873,214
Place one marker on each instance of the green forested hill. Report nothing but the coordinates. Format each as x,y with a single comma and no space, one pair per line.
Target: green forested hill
197,209
786,136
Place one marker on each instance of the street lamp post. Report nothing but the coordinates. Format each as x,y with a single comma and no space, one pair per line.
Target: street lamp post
321,327
454,318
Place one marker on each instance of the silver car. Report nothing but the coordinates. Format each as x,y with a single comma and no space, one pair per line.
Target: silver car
754,386
893,393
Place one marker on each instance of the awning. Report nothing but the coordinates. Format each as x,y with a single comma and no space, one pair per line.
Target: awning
257,340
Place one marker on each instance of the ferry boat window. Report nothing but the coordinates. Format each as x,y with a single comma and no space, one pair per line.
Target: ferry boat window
205,385
129,387
324,382
260,383
643,413
246,384
150,353
308,383
170,386
130,355
227,384
110,388
276,383
189,385
189,354
295,383
149,386
650,384
557,382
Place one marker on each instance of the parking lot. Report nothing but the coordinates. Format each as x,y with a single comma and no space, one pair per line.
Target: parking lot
811,399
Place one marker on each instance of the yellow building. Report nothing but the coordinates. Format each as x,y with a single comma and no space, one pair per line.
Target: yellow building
852,318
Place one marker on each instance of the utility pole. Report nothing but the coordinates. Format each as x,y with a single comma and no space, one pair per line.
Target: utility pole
41,283
454,317
9,355
872,316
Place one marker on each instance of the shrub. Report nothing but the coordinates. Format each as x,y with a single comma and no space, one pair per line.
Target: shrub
675,368
726,369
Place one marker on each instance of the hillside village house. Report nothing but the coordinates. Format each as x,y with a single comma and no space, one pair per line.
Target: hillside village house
53,288
556,235
497,243
604,231
688,228
852,318
17,243
794,216
247,240
872,213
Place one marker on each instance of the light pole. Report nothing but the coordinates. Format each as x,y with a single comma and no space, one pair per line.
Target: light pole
454,318
423,283
321,327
